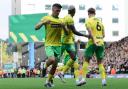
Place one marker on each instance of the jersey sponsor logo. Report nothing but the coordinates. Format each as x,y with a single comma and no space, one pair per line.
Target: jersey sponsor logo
99,37
55,25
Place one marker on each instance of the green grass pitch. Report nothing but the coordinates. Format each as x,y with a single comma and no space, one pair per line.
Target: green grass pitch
37,83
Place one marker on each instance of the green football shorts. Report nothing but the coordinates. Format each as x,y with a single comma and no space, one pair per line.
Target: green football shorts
91,49
53,51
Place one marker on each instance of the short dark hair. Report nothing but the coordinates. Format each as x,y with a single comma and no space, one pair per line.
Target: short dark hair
91,11
57,5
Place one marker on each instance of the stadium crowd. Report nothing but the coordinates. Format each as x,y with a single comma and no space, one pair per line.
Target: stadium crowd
116,58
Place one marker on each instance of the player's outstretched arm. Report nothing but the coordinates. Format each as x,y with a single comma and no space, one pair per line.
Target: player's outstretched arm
72,27
41,23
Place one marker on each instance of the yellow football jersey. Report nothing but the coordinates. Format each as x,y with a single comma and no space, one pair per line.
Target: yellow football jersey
97,29
68,39
52,31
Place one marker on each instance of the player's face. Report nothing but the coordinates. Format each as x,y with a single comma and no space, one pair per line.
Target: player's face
56,11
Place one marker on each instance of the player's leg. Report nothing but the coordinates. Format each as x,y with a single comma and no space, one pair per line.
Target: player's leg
66,59
84,72
100,54
51,75
76,73
73,62
50,55
70,48
49,60
88,55
75,65
50,52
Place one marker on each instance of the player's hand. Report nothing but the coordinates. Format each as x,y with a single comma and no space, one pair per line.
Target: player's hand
96,43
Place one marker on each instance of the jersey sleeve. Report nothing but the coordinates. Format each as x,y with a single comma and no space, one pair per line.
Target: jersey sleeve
44,18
